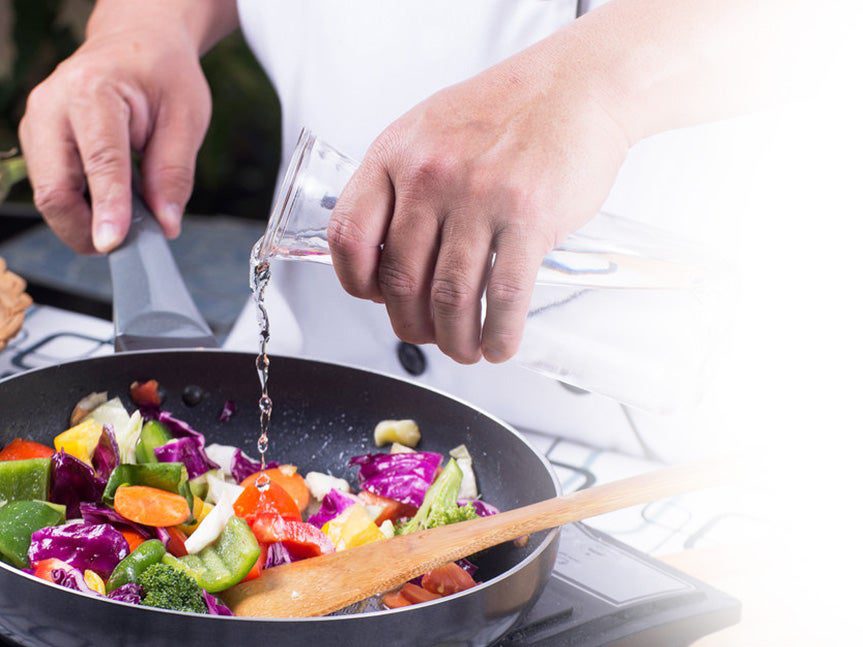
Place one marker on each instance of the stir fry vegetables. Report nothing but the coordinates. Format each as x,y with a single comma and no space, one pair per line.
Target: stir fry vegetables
136,507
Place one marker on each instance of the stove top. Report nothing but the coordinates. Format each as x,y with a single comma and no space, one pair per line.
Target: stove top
604,592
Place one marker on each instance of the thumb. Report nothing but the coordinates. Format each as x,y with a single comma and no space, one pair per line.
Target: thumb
168,167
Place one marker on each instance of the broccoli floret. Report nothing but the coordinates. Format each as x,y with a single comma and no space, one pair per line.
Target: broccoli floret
446,516
440,504
166,587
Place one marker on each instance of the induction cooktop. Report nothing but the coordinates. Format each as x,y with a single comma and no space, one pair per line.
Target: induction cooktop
603,592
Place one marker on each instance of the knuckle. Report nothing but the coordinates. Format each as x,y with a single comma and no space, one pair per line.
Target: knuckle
430,172
104,158
506,292
450,296
396,281
51,199
344,234
177,177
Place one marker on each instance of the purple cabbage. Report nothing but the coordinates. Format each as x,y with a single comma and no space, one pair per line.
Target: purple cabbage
468,566
403,477
483,509
162,535
99,548
107,454
188,451
277,554
129,593
187,446
215,606
242,467
74,482
333,504
94,514
71,578
228,411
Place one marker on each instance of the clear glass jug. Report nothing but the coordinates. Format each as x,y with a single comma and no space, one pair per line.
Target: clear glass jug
620,308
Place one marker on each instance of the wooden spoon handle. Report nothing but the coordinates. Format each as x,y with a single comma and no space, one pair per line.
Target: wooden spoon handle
473,536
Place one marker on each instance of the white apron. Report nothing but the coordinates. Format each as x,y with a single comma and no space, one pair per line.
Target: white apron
346,71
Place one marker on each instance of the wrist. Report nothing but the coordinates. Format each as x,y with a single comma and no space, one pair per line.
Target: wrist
203,26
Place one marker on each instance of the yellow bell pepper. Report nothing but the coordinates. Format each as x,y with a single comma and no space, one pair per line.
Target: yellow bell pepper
95,582
80,441
353,527
200,509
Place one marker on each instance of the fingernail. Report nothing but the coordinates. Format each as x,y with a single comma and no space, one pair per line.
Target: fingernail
172,215
106,236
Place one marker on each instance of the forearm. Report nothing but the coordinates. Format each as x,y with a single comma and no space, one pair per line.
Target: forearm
663,64
205,21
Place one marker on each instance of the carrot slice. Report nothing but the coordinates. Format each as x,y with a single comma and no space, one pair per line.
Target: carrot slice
150,506
134,539
20,449
290,482
416,594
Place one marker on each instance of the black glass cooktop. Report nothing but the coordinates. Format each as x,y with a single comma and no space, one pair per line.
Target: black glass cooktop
603,592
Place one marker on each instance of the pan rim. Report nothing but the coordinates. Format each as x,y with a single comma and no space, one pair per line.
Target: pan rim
531,557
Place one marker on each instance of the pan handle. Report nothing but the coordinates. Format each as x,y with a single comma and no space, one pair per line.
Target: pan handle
152,307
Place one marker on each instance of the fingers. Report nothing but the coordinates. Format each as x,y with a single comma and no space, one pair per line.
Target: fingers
457,286
56,175
406,266
168,166
101,129
358,228
518,255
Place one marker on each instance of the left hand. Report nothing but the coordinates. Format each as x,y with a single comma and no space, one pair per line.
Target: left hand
506,164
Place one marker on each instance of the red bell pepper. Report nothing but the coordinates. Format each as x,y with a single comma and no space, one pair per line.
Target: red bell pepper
20,449
274,500
301,539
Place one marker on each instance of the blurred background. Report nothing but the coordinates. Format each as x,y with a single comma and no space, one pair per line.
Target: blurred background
235,175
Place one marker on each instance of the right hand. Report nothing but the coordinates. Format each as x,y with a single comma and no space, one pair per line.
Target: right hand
137,88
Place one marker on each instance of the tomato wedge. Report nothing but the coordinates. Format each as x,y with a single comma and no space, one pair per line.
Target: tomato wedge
301,539
274,500
288,480
42,569
176,542
416,594
146,394
447,579
20,449
391,509
395,600
151,506
258,568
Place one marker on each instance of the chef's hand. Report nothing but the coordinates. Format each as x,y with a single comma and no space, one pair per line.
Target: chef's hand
504,164
135,83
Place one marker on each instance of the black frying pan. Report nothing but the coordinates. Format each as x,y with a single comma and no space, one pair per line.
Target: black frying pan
324,414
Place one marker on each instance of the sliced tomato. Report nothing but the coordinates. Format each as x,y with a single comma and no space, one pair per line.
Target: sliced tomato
134,539
391,509
416,594
176,542
274,500
287,478
301,539
258,568
42,569
146,394
20,449
395,600
447,579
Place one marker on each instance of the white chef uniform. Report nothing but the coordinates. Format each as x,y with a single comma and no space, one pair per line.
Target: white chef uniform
346,70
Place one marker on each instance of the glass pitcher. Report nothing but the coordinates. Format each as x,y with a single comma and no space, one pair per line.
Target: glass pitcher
620,308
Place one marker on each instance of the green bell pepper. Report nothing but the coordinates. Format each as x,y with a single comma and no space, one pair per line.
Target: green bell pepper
24,480
135,563
18,521
154,434
227,561
171,477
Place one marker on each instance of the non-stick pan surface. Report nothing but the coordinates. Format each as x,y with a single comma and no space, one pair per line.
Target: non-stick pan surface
324,414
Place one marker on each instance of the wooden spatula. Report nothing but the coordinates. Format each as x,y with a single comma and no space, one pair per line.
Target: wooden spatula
321,585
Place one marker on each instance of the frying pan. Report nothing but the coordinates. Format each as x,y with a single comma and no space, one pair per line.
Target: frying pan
324,414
